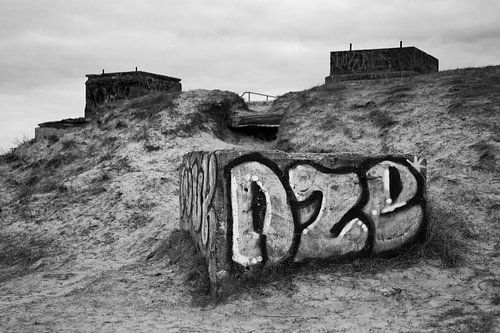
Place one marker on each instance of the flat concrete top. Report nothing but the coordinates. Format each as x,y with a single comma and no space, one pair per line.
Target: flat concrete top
138,73
384,49
69,122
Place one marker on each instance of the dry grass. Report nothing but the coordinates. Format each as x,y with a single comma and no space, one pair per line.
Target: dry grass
460,319
20,251
180,250
446,241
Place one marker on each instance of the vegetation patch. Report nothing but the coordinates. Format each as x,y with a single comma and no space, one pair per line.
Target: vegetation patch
19,251
487,157
381,118
194,123
138,220
60,159
144,108
397,94
179,249
459,319
150,147
52,139
446,241
68,144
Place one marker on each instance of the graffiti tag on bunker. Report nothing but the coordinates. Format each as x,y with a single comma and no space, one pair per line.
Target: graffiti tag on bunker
254,209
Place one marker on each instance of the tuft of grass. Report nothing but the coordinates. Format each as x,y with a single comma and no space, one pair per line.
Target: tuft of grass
446,240
495,300
52,139
149,147
459,319
10,157
330,123
138,220
103,177
179,249
18,252
382,119
207,116
109,140
399,94
487,157
141,134
68,144
367,105
60,159
122,165
447,237
146,107
24,140
194,123
120,124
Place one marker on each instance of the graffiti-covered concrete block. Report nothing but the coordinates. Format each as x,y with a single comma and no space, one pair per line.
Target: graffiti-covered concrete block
248,210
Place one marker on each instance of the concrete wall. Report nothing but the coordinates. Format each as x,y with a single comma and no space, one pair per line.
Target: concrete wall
250,210
110,87
43,133
52,129
382,60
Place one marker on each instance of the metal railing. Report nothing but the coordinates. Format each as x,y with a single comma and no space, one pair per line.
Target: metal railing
249,93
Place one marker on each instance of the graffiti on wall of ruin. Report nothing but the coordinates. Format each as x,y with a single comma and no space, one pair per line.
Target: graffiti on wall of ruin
387,60
367,61
108,90
198,179
306,210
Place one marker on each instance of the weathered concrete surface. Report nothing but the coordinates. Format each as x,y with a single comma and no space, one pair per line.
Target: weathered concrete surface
108,87
376,63
249,210
58,128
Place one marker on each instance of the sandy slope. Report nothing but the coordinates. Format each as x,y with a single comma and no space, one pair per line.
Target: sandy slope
87,238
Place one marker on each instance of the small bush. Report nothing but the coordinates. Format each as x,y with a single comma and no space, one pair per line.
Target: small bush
138,220
109,140
68,144
18,252
10,157
120,124
60,159
149,147
52,139
179,249
464,320
103,177
382,119
447,237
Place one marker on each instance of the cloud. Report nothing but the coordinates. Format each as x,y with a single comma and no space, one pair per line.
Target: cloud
269,46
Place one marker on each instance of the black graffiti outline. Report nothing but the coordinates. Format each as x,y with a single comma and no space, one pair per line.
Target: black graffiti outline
356,211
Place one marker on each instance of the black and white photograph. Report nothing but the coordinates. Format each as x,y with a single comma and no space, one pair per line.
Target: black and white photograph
250,166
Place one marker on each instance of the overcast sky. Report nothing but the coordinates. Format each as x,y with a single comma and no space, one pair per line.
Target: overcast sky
268,46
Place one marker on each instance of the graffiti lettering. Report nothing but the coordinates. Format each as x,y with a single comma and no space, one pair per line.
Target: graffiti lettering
198,176
306,210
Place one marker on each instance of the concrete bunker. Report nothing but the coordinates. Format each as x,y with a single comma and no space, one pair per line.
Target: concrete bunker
109,87
379,63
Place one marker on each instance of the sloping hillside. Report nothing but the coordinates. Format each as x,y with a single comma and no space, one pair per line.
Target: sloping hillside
452,118
87,221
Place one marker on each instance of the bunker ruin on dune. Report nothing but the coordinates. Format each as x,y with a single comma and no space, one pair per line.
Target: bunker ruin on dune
109,87
378,63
